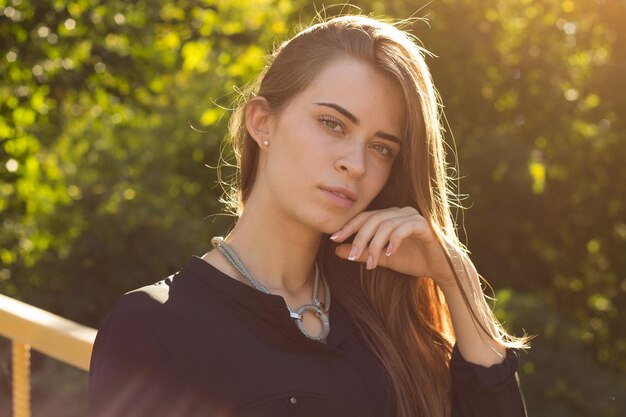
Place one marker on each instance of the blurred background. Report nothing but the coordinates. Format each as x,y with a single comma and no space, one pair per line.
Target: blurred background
110,112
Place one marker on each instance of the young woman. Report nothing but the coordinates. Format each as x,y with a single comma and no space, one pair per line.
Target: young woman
342,196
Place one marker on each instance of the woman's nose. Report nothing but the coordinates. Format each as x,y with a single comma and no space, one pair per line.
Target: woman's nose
352,161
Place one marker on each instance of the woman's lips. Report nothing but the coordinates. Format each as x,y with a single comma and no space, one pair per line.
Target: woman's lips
338,198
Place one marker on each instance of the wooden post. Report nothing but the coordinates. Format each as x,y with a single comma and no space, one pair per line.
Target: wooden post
21,379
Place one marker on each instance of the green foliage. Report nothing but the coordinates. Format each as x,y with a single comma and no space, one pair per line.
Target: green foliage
103,184
99,160
531,95
560,375
537,90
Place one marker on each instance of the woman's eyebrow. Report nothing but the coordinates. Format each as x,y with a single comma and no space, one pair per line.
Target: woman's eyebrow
343,111
356,121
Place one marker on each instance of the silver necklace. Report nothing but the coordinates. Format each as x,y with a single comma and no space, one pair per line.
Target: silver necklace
317,307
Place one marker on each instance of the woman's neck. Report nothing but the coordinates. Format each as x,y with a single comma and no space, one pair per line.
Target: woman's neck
279,253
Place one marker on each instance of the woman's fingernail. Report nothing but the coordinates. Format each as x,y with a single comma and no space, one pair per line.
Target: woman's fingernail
370,262
388,252
353,253
335,235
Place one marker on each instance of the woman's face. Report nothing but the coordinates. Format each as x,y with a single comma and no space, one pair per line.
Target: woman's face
332,148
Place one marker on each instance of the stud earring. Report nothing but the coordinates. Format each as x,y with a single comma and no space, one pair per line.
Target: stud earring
266,143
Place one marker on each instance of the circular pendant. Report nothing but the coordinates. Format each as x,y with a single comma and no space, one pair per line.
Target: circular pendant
321,314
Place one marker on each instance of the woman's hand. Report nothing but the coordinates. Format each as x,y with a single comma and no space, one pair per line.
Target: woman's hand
415,250
399,239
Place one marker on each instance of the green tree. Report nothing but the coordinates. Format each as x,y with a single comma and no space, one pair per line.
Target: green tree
109,112
530,92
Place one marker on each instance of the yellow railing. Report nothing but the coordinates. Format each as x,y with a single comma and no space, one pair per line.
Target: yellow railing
31,327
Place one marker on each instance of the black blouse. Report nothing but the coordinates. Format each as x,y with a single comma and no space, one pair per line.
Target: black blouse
200,343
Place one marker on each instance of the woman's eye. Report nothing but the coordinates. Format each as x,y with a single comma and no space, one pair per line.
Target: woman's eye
333,124
383,149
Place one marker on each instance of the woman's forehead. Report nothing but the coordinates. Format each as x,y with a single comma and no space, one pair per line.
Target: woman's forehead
360,89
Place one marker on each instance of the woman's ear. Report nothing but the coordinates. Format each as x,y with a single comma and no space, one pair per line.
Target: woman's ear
258,120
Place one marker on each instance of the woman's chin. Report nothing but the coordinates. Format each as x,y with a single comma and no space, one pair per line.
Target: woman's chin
331,227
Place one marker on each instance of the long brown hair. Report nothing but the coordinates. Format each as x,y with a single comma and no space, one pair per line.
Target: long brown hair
403,320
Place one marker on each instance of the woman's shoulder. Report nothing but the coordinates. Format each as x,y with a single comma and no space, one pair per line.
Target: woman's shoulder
146,298
179,298
129,354
140,305
149,296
